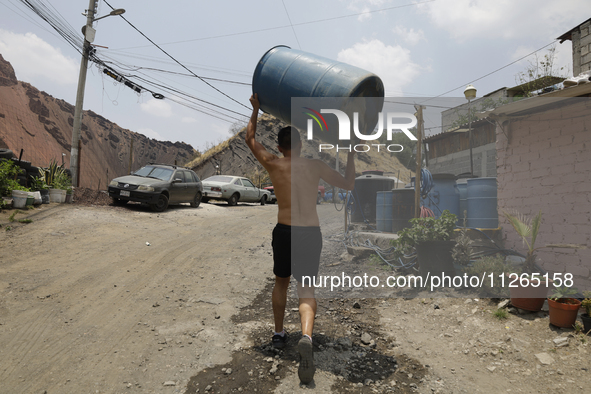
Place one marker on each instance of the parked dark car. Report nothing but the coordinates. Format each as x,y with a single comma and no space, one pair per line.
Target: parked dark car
158,185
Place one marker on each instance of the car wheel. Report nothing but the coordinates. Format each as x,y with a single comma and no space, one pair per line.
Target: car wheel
263,200
119,202
161,204
196,200
233,200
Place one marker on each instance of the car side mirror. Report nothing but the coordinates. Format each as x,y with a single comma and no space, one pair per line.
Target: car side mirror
177,180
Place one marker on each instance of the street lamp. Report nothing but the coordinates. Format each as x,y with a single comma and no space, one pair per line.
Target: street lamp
470,93
89,33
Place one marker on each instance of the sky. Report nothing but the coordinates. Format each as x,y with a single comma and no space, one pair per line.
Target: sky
422,48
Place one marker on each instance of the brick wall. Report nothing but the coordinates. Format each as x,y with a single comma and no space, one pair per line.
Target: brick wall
544,163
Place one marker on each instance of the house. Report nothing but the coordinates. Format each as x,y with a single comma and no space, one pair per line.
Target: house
543,149
580,37
449,152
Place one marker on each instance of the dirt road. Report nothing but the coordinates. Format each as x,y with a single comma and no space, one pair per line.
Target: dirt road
120,299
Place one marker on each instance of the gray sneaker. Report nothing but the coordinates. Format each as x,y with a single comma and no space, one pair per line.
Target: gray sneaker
306,369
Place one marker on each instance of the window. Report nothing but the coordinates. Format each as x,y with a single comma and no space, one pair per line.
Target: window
237,182
247,183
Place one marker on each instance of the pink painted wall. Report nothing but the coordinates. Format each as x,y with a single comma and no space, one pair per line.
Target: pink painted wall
544,163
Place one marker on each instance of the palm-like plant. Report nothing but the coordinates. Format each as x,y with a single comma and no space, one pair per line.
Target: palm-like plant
527,229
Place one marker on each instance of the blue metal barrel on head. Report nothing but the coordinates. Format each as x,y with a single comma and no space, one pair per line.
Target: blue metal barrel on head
283,73
443,195
384,211
482,203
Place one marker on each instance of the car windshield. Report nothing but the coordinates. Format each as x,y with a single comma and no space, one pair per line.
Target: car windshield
217,178
154,172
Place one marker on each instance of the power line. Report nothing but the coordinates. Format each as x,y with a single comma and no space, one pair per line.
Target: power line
291,24
288,26
179,63
492,72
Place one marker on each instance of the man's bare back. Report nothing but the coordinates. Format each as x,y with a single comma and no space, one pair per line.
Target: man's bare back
295,179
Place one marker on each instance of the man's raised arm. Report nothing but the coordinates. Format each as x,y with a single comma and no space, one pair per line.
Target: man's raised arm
334,178
259,151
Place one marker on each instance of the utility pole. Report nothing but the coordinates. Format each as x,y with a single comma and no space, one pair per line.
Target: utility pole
419,114
88,38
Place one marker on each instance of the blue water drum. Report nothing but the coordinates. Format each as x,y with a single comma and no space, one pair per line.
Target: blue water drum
365,195
284,73
403,208
482,203
443,195
384,211
463,190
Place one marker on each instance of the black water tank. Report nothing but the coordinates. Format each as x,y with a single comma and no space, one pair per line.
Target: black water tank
365,195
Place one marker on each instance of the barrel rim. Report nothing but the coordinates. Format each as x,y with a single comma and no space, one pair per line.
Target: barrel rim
258,66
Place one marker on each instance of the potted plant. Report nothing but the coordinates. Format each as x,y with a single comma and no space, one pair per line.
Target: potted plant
69,193
58,181
563,308
586,317
431,237
38,185
529,295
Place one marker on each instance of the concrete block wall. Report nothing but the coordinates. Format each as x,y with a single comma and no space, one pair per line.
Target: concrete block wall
544,163
484,160
581,42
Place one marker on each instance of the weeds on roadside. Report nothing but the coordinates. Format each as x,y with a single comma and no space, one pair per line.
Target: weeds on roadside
25,221
11,218
501,314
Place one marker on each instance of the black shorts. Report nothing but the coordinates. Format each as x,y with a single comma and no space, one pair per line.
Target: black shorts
296,251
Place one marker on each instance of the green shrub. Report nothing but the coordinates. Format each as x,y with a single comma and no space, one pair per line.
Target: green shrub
8,174
488,265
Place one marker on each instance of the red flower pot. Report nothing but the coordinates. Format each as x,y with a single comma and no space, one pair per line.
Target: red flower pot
528,298
563,312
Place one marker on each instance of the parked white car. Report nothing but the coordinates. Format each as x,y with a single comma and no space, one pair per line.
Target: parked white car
233,189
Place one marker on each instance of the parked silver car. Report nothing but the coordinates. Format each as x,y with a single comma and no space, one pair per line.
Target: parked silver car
233,189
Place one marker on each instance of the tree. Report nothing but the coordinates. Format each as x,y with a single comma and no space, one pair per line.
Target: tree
539,73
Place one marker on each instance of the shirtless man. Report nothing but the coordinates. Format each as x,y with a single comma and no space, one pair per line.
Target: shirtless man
295,180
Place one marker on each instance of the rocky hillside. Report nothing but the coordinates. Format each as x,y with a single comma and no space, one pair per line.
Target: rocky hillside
233,156
41,126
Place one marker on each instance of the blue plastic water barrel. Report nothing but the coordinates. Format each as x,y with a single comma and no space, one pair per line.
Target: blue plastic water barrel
482,203
463,190
365,194
384,211
283,73
403,208
443,195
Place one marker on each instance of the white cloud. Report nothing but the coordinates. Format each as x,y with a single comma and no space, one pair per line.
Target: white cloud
392,64
410,36
151,134
35,60
468,19
157,108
